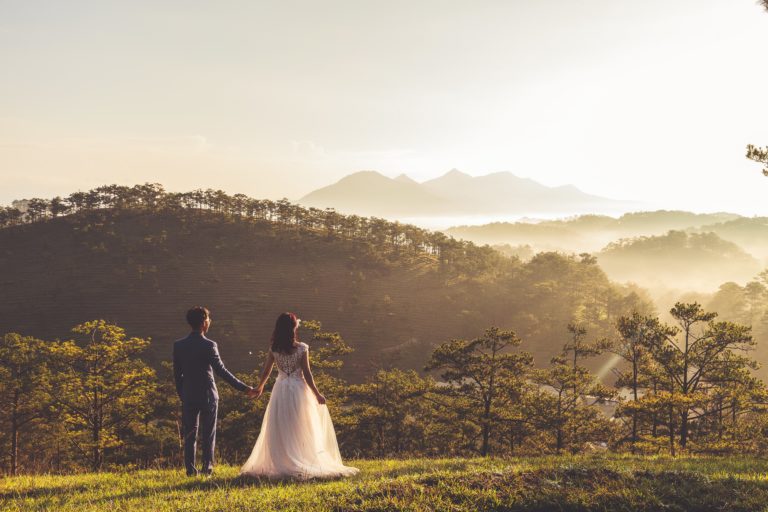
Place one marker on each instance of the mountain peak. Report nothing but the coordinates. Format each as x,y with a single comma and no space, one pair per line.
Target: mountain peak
455,173
363,175
405,179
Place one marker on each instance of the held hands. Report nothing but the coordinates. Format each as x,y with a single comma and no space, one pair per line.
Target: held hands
320,399
254,393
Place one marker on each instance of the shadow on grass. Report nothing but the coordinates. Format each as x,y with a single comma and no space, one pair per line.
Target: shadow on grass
40,492
197,484
70,493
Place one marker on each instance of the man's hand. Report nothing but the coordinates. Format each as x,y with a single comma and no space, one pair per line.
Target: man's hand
254,392
320,399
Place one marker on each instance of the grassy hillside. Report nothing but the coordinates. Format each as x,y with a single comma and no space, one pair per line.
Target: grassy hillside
541,484
142,270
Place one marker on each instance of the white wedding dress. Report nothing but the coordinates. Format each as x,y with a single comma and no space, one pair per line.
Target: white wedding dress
297,439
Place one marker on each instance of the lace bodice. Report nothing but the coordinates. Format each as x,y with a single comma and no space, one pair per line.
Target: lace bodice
290,364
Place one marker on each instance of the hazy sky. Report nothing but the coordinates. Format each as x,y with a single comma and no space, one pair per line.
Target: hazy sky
652,100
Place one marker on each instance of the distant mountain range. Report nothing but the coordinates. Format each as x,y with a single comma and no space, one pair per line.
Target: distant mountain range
454,193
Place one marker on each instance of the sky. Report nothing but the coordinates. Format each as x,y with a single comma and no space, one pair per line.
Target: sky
649,101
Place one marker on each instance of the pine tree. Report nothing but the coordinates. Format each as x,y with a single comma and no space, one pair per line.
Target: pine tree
568,390
102,385
477,372
24,383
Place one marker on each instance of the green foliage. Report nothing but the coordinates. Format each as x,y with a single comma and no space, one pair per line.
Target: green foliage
25,387
484,376
92,403
636,334
395,299
691,383
757,154
393,414
562,405
101,387
398,241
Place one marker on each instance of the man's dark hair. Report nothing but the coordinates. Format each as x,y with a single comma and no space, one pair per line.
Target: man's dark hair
197,315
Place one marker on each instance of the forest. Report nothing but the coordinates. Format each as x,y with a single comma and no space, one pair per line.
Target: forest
620,378
140,267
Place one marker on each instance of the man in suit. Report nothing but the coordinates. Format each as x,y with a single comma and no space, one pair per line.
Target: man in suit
195,358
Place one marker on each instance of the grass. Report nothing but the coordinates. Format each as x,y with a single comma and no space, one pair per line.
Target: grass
597,483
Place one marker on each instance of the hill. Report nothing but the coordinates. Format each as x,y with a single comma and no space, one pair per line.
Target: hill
536,484
749,233
391,300
588,233
455,193
692,261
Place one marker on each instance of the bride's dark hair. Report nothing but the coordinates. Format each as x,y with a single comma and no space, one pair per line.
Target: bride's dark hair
284,334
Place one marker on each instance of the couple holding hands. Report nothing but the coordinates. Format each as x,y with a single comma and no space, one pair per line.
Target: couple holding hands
296,440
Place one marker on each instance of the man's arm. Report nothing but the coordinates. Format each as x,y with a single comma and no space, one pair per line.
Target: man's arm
177,375
221,371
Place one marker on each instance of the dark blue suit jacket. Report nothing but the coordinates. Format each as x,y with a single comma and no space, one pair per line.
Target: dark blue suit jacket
195,358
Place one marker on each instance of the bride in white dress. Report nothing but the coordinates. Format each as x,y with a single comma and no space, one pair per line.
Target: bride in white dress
297,438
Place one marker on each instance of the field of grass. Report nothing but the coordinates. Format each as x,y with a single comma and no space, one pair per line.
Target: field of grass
610,483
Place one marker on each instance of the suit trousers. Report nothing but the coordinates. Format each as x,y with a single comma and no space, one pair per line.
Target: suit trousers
204,415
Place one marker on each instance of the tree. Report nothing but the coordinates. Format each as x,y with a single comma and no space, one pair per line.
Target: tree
734,393
59,206
37,209
102,385
10,216
759,155
477,371
637,332
390,413
568,390
700,349
24,386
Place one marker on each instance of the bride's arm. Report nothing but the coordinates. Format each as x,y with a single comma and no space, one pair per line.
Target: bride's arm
309,378
265,372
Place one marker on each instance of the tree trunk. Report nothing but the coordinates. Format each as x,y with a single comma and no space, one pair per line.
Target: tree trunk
15,434
683,429
720,426
671,432
380,431
486,439
484,451
654,416
559,433
634,412
96,454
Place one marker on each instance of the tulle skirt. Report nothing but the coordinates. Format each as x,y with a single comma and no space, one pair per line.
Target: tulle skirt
297,439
